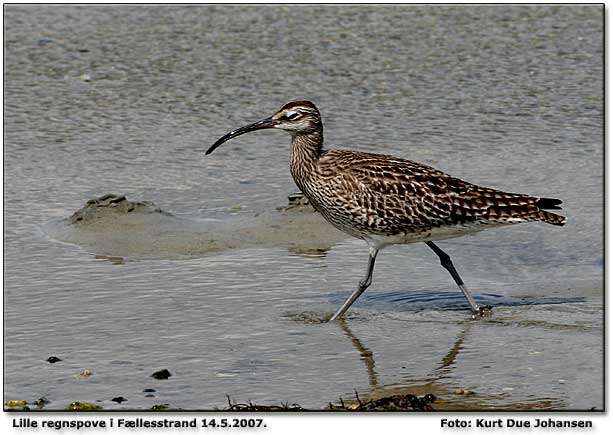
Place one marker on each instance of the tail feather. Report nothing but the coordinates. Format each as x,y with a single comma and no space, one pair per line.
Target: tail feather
521,208
548,203
548,217
551,218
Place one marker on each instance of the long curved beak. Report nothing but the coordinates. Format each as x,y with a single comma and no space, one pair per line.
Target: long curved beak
264,123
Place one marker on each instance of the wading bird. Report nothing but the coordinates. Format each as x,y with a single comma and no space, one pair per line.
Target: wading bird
385,200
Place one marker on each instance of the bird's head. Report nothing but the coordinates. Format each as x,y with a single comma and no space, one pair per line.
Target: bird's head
297,118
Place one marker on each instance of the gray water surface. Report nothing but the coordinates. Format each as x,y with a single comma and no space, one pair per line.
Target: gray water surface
126,99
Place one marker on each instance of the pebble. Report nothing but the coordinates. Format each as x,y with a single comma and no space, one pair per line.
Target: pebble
82,406
462,392
161,374
85,373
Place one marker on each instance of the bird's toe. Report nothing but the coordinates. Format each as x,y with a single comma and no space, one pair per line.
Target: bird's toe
482,311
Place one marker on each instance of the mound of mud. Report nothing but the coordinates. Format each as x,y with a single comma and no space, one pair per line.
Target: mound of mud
108,206
114,226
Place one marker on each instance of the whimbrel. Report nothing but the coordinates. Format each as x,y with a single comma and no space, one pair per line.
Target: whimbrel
385,200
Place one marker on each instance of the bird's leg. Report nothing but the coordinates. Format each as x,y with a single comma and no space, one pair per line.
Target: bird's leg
364,283
477,310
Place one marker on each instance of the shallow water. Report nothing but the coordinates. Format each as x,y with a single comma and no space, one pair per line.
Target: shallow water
126,99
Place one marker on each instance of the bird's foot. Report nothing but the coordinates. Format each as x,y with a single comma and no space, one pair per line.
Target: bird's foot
481,311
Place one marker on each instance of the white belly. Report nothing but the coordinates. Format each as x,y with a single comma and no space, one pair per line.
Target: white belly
440,233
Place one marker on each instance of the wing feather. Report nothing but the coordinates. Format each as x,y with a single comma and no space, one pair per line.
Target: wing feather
391,195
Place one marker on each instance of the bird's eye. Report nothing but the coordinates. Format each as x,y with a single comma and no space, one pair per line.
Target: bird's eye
292,116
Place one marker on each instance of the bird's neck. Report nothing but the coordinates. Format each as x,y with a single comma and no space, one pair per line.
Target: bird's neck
306,149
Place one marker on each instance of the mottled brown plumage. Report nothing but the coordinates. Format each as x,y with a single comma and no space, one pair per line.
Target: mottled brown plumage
365,194
387,200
